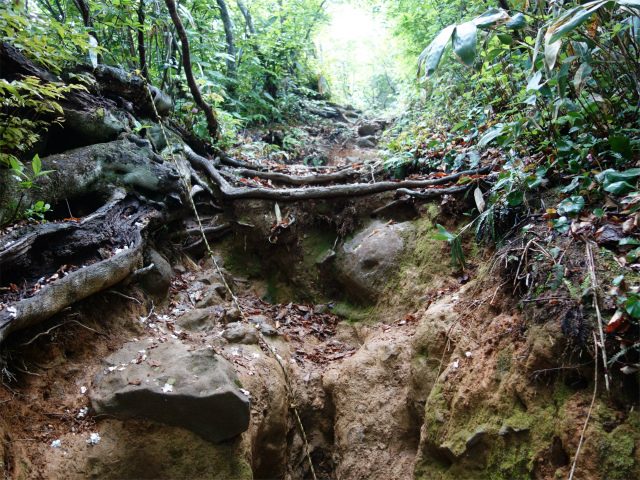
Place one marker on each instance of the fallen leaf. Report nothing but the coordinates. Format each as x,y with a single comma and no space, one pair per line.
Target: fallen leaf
135,382
629,226
615,321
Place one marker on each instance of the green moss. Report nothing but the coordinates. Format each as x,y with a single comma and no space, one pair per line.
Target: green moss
351,314
616,451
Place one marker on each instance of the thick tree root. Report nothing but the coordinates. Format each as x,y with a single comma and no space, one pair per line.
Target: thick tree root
313,179
114,231
333,191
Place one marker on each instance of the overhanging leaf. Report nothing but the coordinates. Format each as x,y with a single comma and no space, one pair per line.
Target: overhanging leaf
433,53
492,18
465,39
551,51
517,22
564,26
534,82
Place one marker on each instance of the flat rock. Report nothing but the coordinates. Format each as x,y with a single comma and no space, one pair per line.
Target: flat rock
258,319
211,297
196,320
212,277
321,309
268,330
195,389
240,333
231,315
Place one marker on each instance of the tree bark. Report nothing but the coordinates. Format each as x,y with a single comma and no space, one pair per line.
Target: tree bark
247,17
115,228
212,122
82,6
141,50
228,32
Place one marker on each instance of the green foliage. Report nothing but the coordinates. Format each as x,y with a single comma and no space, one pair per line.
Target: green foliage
26,109
456,245
50,43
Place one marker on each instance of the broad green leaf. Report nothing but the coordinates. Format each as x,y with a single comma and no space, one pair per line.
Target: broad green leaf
598,212
36,164
618,188
433,53
571,206
618,280
629,241
517,22
633,306
505,39
439,236
581,78
465,39
621,145
515,198
458,126
490,135
444,232
494,53
492,18
561,28
551,51
534,82
632,256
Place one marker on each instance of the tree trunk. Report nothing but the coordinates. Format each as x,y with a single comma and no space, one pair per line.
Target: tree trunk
212,122
141,50
247,17
228,32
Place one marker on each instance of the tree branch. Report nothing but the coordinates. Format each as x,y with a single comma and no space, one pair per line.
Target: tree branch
212,122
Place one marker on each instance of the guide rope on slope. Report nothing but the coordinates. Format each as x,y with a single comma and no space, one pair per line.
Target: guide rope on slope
278,358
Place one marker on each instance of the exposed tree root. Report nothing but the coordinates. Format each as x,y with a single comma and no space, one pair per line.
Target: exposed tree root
313,179
116,229
333,191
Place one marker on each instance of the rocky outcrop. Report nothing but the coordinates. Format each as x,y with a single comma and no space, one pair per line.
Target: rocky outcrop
172,384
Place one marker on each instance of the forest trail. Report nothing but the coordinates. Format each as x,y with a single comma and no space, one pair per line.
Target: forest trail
412,352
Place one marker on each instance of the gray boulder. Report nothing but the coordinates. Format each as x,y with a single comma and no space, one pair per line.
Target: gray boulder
365,264
240,333
196,320
368,129
213,295
169,384
158,280
367,142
